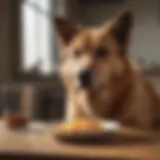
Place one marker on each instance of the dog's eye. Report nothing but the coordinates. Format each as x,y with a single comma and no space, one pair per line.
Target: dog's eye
77,53
100,52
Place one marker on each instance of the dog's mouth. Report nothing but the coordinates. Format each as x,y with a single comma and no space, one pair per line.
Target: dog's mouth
93,84
88,80
83,85
85,80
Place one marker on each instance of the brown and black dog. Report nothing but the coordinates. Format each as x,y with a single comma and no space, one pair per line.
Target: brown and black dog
99,76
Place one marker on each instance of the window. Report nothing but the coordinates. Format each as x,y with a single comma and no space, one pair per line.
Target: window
38,43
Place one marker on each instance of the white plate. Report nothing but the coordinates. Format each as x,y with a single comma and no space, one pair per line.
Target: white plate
110,127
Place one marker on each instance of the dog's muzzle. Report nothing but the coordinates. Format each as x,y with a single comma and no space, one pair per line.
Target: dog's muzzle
85,78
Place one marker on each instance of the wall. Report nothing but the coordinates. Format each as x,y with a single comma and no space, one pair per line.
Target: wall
5,72
146,34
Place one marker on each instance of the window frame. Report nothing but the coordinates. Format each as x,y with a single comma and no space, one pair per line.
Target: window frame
16,48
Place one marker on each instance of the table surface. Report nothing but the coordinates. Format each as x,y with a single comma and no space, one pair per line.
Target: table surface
41,142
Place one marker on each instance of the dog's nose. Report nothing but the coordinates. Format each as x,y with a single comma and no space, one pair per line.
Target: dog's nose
85,78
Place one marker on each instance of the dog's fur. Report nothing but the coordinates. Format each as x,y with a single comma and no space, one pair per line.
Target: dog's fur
119,89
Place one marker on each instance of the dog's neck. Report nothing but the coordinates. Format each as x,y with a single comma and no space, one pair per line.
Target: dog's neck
108,102
117,105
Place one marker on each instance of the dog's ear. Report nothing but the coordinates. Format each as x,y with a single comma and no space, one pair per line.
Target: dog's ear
66,29
121,28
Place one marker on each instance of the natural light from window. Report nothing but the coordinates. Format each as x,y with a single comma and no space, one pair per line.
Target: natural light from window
37,36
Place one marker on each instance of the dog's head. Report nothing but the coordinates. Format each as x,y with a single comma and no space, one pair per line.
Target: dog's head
91,57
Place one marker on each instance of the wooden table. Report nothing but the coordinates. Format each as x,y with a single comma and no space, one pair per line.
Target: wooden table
43,144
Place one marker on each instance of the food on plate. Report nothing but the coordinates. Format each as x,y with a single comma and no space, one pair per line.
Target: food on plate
80,125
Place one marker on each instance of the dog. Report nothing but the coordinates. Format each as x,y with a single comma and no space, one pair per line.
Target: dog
100,78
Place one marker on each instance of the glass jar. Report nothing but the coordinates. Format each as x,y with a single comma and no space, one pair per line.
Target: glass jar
18,104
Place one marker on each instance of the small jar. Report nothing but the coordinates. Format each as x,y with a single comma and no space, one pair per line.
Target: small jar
18,100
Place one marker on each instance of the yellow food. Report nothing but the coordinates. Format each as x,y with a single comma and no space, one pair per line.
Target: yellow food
80,125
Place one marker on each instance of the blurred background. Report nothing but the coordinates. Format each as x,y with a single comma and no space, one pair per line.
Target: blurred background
29,86
28,46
